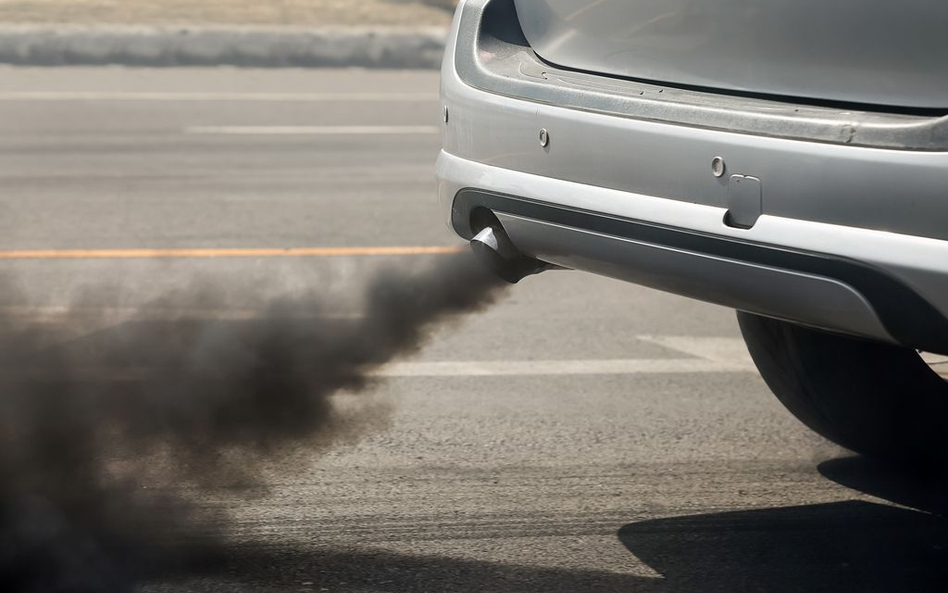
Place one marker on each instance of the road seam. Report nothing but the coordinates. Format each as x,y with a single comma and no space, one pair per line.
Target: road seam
313,130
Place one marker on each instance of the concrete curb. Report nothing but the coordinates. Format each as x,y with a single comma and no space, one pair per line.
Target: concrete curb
378,47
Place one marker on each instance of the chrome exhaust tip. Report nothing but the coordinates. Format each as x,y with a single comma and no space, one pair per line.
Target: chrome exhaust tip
494,248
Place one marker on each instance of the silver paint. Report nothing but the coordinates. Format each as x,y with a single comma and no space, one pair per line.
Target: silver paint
491,55
920,263
744,201
862,51
894,190
884,207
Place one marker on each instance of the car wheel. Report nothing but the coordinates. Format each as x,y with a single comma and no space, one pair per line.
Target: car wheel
872,398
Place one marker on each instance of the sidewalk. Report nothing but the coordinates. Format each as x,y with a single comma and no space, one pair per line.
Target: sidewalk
301,33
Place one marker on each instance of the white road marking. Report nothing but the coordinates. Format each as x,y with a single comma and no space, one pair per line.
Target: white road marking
708,355
731,351
313,130
705,354
507,368
211,96
492,368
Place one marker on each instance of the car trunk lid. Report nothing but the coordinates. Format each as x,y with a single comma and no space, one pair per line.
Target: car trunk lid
893,55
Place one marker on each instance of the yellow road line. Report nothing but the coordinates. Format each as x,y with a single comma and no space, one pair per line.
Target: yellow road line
209,253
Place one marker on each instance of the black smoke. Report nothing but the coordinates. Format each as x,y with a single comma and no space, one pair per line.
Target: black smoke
102,434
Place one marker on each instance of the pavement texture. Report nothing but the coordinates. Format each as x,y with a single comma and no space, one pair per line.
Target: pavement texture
322,33
247,46
673,470
301,13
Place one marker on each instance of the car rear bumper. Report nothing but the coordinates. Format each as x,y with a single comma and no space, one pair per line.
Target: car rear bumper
847,238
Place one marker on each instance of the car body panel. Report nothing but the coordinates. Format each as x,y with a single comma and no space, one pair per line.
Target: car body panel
814,300
920,264
856,51
879,211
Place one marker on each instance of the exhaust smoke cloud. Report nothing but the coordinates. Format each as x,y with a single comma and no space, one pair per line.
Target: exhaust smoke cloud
101,437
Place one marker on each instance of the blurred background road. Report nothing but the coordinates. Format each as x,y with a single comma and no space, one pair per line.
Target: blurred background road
223,12
582,435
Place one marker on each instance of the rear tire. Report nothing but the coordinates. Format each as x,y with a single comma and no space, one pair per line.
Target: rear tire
873,398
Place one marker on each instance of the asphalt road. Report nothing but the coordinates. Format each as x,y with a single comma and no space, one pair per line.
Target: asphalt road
581,435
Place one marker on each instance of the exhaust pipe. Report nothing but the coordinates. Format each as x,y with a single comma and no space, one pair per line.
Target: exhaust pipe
495,249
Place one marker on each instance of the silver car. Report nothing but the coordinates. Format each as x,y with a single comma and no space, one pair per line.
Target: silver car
786,159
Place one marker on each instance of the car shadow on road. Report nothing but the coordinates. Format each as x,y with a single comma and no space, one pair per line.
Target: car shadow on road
842,546
917,488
